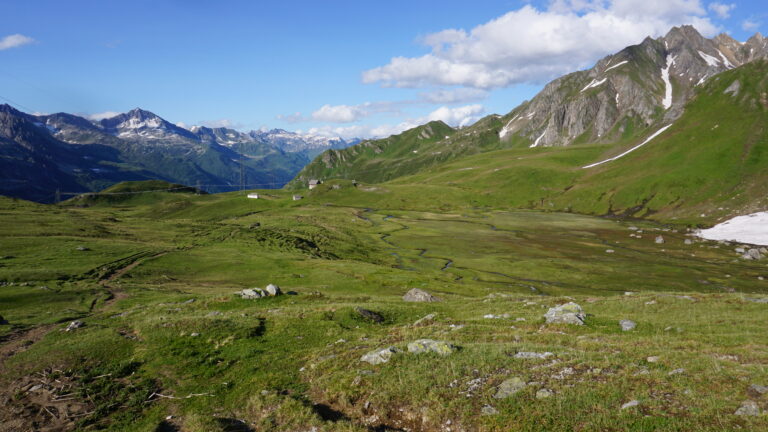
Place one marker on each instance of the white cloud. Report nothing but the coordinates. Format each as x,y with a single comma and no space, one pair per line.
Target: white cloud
750,25
454,96
15,40
221,123
460,116
363,131
722,10
340,113
103,115
533,45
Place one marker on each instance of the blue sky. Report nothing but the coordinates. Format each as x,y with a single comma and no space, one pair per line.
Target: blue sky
355,68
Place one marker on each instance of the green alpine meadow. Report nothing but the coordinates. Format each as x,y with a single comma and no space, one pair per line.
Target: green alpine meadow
594,259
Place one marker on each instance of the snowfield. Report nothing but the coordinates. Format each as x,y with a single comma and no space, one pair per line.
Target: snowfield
752,229
659,132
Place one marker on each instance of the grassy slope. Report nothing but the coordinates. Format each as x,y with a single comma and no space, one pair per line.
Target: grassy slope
709,165
277,362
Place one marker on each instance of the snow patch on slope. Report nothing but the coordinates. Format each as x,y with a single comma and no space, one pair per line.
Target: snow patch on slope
536,143
616,65
667,102
650,138
752,229
711,61
594,83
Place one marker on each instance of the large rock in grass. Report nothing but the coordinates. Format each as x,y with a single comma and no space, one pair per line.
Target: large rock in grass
417,295
428,345
273,290
255,293
379,356
509,387
252,293
569,313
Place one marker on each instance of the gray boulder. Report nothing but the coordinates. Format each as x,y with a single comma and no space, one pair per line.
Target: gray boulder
509,387
74,325
424,319
759,389
752,254
488,410
252,293
417,295
273,290
428,345
660,240
748,408
627,325
569,313
544,393
379,356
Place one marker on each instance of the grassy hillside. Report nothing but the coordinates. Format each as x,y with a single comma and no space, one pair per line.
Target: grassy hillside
709,165
167,345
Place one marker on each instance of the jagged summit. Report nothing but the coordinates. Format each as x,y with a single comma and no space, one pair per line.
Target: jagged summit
638,86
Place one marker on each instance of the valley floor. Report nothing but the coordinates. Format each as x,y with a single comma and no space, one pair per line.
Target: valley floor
166,345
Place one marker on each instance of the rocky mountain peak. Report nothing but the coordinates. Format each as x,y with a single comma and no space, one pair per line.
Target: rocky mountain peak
640,85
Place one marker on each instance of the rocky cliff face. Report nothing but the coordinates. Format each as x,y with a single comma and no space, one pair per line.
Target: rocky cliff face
641,85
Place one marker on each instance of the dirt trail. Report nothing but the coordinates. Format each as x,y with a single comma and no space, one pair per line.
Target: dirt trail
46,404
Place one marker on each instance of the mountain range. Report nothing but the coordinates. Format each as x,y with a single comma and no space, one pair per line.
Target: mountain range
40,154
672,128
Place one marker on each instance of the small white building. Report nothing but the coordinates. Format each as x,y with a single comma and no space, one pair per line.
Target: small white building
297,197
253,196
313,183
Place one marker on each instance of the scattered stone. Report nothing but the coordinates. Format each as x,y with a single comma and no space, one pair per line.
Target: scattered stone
650,302
379,356
627,325
533,355
370,315
752,254
82,248
688,241
428,345
256,293
633,228
492,316
748,408
74,325
760,389
659,240
417,295
544,393
677,371
425,318
252,293
610,251
273,290
509,387
569,313
630,404
488,410
213,314
519,319
188,301
653,359
455,327
756,300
